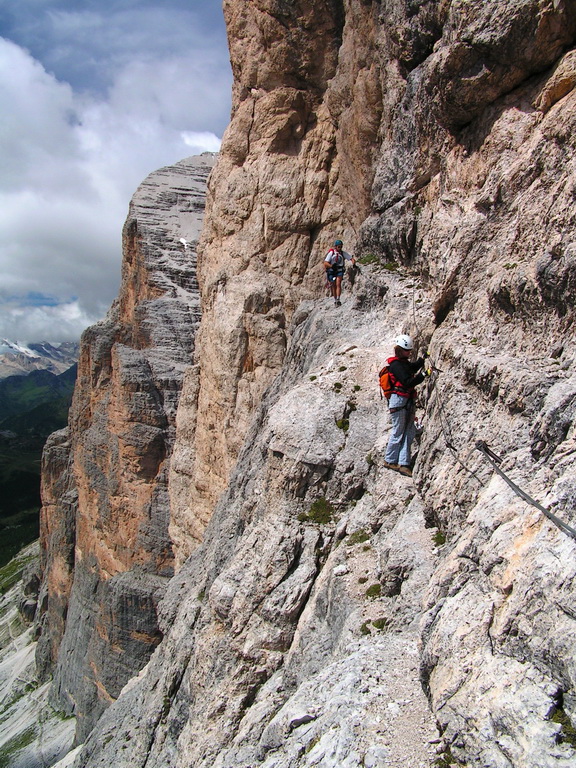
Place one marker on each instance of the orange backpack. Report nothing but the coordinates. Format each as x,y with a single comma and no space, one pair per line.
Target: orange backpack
387,380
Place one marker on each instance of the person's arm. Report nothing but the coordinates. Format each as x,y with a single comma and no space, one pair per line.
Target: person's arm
417,365
405,372
349,257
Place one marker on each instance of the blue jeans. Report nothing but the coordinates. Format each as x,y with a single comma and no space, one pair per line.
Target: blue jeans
403,431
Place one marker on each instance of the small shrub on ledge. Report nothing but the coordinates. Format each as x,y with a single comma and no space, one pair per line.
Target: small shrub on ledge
357,537
368,258
320,512
374,591
439,538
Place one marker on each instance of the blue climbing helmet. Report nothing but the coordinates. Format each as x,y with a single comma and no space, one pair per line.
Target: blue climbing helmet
337,243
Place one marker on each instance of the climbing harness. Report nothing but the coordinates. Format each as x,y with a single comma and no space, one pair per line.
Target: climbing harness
495,461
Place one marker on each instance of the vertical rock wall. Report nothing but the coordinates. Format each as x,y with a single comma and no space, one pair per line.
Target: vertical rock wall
294,172
483,211
107,552
57,537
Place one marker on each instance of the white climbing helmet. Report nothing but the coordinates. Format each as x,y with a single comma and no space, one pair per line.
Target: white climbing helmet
405,342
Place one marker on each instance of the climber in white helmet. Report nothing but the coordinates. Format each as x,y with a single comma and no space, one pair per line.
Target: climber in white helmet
402,404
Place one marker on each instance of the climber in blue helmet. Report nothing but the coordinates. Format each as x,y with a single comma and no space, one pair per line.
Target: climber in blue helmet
334,266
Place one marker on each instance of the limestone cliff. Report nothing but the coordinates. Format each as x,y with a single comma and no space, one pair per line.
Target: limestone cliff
107,553
295,167
312,609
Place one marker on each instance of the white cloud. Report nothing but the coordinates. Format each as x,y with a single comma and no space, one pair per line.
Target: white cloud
200,142
35,131
71,161
88,42
60,323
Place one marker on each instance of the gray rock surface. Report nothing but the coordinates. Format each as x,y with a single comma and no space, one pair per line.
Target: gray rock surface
275,647
32,734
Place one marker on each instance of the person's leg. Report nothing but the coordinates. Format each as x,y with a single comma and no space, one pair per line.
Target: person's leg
398,419
331,281
404,457
338,289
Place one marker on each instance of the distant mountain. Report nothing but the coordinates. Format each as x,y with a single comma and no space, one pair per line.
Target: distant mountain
17,358
20,396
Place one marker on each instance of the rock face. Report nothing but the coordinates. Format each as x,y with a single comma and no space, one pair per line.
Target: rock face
292,629
32,734
106,549
288,172
311,609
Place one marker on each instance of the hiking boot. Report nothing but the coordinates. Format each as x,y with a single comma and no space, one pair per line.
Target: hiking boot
395,467
337,303
405,471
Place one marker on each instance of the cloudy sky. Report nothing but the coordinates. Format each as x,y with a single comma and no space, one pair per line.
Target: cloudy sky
94,95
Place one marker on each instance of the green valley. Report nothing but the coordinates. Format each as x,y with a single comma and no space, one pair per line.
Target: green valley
31,408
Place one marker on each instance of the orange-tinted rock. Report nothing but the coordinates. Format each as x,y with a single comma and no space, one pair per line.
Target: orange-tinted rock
106,548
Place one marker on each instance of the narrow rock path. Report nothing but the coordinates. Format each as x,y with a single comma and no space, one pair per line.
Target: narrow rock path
405,734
